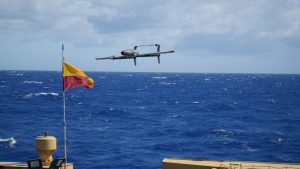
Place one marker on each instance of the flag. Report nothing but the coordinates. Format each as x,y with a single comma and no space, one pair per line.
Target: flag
74,77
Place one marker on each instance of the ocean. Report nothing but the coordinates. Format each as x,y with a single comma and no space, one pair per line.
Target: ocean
135,120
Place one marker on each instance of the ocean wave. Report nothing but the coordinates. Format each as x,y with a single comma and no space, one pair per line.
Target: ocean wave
173,116
159,77
11,141
102,77
271,100
208,133
166,83
223,132
41,94
246,147
30,82
277,141
3,86
17,74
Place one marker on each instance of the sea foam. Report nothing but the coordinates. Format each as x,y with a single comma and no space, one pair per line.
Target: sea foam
159,77
41,94
11,141
30,82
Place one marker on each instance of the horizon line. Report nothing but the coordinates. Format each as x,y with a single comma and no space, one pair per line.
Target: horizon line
96,71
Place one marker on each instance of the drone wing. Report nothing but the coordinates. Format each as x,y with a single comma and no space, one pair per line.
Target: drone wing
135,55
154,54
104,58
110,57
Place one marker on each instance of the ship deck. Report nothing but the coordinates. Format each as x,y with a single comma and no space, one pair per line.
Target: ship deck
169,163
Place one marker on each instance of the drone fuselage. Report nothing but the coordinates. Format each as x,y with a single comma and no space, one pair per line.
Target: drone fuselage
129,52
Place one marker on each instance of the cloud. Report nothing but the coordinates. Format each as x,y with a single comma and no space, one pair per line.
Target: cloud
241,28
230,27
55,20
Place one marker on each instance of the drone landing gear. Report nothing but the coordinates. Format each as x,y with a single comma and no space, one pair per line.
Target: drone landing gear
158,50
134,61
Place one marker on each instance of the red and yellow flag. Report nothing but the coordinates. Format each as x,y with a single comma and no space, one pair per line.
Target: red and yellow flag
74,77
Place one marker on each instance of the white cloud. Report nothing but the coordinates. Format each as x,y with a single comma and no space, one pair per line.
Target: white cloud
55,20
173,22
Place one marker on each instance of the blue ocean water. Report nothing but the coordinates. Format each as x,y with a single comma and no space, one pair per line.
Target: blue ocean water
134,120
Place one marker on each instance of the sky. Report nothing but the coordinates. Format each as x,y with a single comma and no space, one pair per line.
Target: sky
208,36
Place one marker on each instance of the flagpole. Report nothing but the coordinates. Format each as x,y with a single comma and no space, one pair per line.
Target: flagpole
64,105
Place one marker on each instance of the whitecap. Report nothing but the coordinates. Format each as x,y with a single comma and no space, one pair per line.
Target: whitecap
278,141
248,148
174,116
223,132
206,79
3,87
139,89
102,77
30,82
40,94
196,102
111,109
159,77
165,83
3,81
13,74
11,141
271,100
220,130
